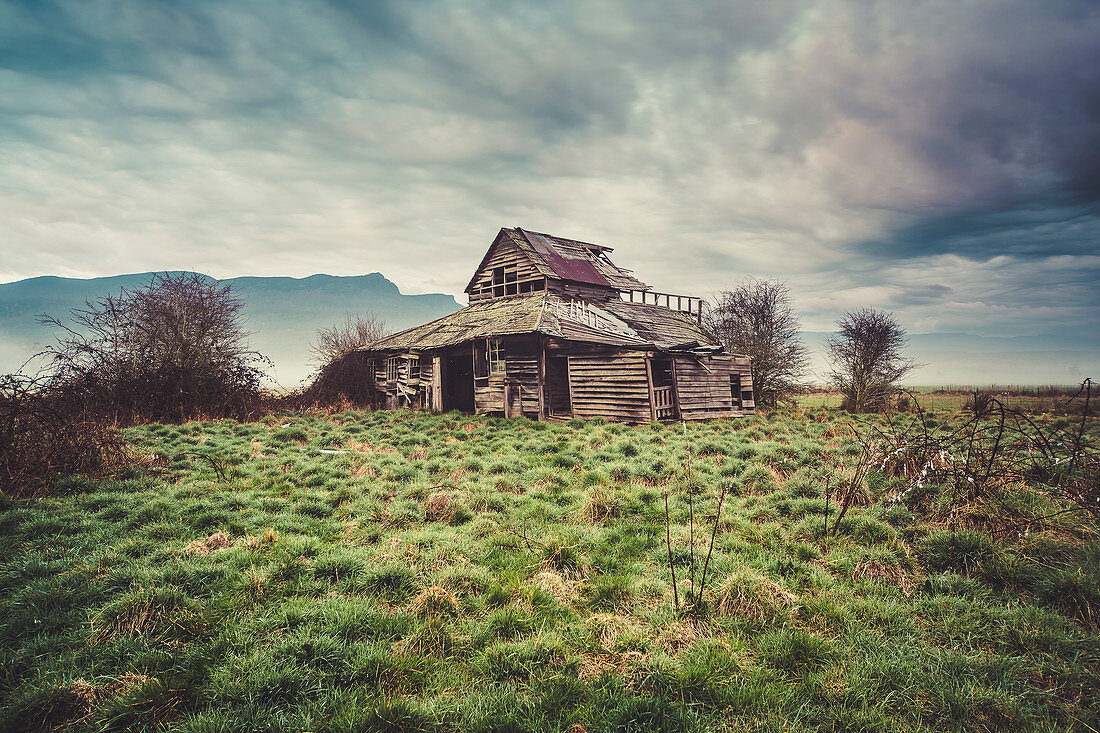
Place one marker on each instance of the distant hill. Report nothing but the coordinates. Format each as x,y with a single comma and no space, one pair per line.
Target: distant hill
283,313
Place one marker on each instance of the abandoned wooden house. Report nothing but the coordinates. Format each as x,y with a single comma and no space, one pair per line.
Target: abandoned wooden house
555,330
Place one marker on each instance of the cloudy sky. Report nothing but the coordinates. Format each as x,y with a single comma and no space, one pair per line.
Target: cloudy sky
939,159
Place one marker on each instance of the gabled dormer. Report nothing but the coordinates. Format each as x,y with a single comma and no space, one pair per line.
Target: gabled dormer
521,262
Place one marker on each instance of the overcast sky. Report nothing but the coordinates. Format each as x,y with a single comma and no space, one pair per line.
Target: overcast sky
939,159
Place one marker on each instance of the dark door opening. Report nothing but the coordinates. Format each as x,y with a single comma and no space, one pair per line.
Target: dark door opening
458,383
558,402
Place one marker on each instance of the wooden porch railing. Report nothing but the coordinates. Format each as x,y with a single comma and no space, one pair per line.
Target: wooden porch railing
664,403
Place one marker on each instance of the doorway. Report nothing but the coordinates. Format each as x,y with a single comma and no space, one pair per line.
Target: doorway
558,400
458,383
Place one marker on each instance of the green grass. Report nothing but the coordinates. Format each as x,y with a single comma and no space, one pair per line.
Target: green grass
482,574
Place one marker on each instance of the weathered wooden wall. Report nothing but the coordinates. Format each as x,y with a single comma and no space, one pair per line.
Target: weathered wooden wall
603,382
611,384
703,387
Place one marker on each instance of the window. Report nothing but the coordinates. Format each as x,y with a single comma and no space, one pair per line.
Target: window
496,356
414,368
371,367
392,368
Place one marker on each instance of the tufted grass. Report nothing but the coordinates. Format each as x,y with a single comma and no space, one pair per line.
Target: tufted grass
486,574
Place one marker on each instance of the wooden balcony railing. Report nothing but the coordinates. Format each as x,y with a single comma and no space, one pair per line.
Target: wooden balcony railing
683,303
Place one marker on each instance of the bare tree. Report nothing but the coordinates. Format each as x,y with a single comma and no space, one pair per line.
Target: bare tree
867,360
170,350
756,319
340,340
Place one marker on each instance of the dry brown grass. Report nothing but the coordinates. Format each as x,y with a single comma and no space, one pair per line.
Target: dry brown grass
750,595
439,507
210,545
434,602
432,638
557,587
256,542
84,698
160,614
610,631
599,506
886,570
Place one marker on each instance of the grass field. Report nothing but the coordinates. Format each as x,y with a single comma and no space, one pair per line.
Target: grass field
395,571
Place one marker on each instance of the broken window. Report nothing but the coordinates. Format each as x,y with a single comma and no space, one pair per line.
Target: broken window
414,368
496,356
392,368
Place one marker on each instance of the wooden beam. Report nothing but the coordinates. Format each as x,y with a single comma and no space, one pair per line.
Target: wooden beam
675,388
649,379
437,383
569,384
542,377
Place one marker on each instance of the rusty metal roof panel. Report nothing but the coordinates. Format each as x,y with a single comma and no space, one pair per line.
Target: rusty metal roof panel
578,269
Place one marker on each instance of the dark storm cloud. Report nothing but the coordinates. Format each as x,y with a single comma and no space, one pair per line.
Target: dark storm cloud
930,157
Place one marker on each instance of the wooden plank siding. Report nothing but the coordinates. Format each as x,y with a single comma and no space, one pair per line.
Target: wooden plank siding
703,387
616,383
612,385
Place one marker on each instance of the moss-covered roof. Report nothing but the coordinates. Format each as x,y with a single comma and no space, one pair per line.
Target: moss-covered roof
613,322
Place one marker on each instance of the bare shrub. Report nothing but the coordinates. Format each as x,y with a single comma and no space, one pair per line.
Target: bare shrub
867,359
42,438
756,320
980,461
336,342
171,350
980,403
346,382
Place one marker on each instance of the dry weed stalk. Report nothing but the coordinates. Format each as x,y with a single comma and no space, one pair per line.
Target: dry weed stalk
996,448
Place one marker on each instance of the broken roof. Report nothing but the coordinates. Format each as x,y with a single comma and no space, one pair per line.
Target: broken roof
616,323
572,260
